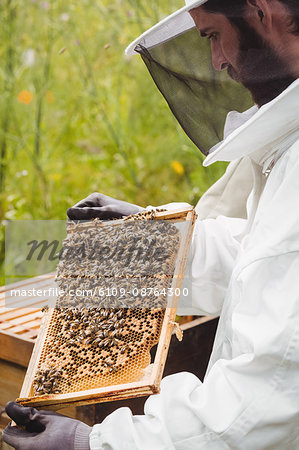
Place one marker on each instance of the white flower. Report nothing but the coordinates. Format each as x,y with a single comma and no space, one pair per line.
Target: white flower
23,173
28,57
65,17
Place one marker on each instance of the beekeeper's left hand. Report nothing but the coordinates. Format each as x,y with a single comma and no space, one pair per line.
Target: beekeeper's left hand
44,430
101,206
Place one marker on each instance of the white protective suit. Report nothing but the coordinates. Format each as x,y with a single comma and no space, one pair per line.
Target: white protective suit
248,271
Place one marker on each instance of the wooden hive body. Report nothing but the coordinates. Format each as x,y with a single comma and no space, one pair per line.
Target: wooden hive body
21,317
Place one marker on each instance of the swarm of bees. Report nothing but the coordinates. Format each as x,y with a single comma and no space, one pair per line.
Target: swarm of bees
147,214
45,381
105,338
99,328
108,266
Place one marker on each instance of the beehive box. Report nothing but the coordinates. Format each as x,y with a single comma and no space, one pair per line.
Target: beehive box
20,318
97,346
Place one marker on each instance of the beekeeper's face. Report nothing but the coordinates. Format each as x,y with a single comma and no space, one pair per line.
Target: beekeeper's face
223,36
244,53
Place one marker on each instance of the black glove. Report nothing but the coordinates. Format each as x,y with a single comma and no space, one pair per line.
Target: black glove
44,430
101,206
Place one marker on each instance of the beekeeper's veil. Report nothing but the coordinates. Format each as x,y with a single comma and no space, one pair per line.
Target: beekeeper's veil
179,61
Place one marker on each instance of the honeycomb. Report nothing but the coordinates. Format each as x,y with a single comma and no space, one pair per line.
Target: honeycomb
114,279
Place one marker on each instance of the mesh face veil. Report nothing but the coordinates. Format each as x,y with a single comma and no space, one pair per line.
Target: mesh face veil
179,61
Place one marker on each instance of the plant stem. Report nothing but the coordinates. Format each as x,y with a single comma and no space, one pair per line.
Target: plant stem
7,88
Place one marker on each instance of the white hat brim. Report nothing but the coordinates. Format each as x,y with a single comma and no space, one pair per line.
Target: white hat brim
177,23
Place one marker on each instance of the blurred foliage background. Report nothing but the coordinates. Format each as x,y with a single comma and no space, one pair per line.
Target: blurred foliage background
78,116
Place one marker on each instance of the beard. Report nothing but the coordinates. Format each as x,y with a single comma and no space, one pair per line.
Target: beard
260,68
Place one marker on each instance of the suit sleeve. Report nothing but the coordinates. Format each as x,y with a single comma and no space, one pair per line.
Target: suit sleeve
211,259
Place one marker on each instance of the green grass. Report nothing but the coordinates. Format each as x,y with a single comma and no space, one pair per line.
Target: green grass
96,121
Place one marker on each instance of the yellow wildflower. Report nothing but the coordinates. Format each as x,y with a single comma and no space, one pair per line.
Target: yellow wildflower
25,97
177,167
56,176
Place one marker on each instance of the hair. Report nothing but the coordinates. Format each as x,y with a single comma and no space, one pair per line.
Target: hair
234,10
293,7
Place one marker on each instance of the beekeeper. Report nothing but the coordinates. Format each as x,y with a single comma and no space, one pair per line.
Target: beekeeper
246,270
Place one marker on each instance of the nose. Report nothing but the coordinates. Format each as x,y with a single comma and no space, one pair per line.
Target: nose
218,59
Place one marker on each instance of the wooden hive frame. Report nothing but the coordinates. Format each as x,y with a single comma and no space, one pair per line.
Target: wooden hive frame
150,382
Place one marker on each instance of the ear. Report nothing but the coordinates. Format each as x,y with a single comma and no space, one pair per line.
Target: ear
261,13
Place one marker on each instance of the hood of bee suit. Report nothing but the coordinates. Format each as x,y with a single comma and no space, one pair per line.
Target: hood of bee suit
179,61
